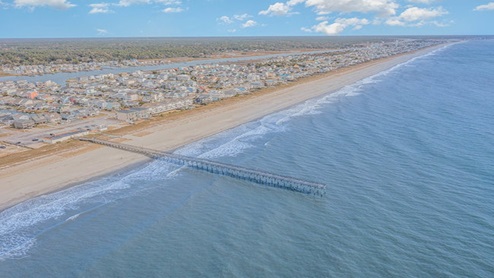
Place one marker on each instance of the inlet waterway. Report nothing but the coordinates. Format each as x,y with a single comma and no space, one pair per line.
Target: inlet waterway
62,77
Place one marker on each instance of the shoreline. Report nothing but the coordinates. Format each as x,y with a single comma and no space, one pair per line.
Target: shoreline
61,170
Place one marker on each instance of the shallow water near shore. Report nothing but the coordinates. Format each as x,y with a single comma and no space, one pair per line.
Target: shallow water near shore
407,157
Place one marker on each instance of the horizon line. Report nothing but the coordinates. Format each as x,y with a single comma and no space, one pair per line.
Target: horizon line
260,36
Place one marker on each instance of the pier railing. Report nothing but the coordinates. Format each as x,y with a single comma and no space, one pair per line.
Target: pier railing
223,169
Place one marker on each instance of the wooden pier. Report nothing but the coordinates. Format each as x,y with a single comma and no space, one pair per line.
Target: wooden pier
223,169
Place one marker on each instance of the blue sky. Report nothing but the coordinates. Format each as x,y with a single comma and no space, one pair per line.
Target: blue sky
185,18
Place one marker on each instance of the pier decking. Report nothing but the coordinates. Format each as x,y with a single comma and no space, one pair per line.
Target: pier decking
223,169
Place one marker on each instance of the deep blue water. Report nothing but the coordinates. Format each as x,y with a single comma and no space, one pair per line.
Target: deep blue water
407,156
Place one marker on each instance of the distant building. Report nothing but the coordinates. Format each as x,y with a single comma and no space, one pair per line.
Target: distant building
38,119
32,94
183,77
65,136
132,114
23,124
158,108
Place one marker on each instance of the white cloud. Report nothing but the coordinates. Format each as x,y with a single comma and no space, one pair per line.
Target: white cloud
59,4
423,1
126,3
225,19
338,26
442,24
380,7
237,19
4,5
281,9
416,16
100,8
381,12
169,2
249,23
229,20
102,32
241,17
294,2
395,22
486,7
277,9
173,10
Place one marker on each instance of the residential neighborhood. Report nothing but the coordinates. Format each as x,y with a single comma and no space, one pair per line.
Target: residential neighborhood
129,97
32,70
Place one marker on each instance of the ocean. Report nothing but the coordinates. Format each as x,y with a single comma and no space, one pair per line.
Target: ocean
407,156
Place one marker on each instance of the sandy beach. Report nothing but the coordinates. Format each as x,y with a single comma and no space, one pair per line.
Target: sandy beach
56,170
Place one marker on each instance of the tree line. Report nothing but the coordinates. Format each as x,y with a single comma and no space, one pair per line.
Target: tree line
16,52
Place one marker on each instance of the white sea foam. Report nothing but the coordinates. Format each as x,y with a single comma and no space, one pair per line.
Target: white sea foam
73,217
18,230
411,61
237,140
23,223
15,245
234,141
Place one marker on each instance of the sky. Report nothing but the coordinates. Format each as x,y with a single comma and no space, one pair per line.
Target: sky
212,18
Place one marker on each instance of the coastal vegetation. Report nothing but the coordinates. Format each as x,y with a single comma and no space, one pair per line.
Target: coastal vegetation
17,52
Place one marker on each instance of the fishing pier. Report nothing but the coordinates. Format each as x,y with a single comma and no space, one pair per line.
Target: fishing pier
223,169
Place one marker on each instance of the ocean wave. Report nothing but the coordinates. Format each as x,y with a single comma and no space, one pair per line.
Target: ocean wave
73,217
23,223
19,227
235,141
